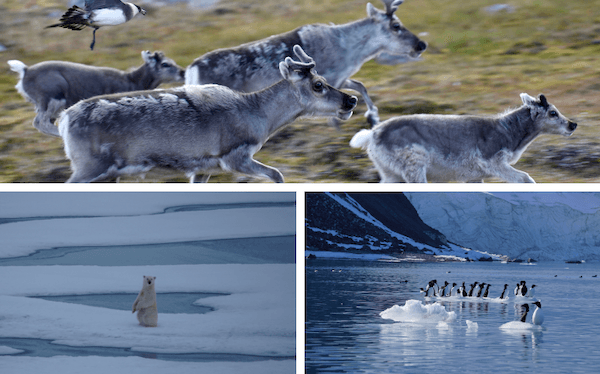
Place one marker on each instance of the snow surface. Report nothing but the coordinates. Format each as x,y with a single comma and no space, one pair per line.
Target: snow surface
256,316
4,350
542,226
135,365
26,237
352,256
40,204
415,311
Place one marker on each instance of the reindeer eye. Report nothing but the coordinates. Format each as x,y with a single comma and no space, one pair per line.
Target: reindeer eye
396,26
318,86
165,65
553,113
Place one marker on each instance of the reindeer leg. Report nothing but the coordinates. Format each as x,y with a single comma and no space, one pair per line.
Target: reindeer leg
372,113
199,179
253,167
240,160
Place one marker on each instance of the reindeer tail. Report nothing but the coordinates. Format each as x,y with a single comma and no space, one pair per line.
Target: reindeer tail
362,139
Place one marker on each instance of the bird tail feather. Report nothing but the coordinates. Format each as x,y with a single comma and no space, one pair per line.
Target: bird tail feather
74,19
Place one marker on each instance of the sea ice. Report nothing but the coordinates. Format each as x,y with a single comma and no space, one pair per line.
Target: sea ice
137,365
257,317
415,311
24,238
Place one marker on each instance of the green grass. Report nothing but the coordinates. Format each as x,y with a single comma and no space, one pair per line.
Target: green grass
476,63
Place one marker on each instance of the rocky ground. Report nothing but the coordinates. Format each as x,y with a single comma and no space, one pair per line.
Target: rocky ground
481,56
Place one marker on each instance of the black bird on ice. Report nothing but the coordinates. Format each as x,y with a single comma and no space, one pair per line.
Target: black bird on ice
98,13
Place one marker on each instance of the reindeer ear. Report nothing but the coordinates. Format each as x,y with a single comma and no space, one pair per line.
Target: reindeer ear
534,105
544,102
294,71
146,55
371,10
530,101
284,69
287,71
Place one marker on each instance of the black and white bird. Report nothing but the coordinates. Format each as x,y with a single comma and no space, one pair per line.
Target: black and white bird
523,288
524,316
503,292
487,290
98,13
538,316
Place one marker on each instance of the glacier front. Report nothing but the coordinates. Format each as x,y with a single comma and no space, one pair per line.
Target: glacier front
537,225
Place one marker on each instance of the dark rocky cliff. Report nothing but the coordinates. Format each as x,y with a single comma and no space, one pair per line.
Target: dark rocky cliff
333,225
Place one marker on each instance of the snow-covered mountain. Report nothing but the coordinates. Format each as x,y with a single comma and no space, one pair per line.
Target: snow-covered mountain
373,223
542,226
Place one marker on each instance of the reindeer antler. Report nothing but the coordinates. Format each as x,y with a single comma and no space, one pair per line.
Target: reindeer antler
302,55
391,6
306,62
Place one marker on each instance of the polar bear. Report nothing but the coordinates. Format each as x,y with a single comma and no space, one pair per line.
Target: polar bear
145,304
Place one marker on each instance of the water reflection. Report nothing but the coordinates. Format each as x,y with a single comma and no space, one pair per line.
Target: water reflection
344,332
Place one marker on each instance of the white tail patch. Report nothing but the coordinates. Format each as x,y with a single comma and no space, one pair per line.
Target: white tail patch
63,124
362,139
192,75
18,67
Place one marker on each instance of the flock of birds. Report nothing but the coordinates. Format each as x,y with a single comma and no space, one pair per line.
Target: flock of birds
481,290
476,289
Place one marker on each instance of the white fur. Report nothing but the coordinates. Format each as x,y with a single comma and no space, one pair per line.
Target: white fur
145,304
19,67
192,75
418,148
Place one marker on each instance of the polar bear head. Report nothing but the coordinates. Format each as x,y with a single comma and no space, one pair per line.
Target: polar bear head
149,281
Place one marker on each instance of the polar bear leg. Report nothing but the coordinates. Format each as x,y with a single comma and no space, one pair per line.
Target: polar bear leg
148,317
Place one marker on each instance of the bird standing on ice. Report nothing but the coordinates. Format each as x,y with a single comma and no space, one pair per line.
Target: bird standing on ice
524,316
98,13
503,291
538,315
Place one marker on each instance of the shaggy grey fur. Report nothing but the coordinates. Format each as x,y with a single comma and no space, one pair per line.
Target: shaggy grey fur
53,86
195,129
338,50
421,148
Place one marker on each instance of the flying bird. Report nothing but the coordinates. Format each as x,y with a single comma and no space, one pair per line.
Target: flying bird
98,13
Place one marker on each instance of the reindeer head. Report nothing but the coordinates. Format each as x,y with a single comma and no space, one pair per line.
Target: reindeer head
399,40
547,116
318,98
163,68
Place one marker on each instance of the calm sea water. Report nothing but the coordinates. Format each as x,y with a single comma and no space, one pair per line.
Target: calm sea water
345,333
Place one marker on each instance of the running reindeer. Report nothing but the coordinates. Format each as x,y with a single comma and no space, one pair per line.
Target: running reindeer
442,148
53,86
338,50
195,129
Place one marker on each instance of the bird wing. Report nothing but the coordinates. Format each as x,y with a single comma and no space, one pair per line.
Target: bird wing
99,4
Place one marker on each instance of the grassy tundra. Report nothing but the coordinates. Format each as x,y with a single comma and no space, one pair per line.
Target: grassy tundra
477,62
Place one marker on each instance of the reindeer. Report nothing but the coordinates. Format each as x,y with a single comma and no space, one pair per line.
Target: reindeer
53,86
338,50
195,129
422,147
